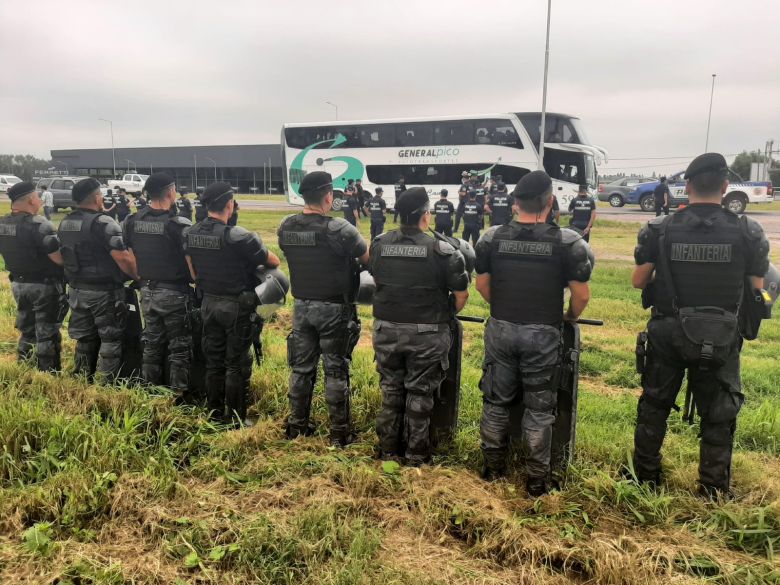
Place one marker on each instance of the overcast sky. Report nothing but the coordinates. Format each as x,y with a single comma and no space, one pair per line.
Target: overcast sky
194,72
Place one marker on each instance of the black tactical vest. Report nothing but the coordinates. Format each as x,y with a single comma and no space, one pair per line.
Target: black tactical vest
319,270
376,209
218,268
159,256
707,257
472,213
443,211
87,260
581,211
410,281
22,257
501,209
527,274
201,212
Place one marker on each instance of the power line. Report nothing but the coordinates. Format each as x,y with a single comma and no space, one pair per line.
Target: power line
689,156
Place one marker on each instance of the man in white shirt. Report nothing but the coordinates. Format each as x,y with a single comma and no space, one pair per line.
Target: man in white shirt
48,203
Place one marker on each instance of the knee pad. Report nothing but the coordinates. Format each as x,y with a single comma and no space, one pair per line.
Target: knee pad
719,434
652,412
393,401
539,396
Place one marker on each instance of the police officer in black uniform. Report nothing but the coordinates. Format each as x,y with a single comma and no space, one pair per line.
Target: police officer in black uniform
97,263
31,252
522,270
140,202
444,210
184,207
471,214
415,276
400,187
661,197
156,237
122,205
234,216
110,204
693,266
321,252
554,216
583,212
223,260
201,211
362,196
350,206
377,207
500,206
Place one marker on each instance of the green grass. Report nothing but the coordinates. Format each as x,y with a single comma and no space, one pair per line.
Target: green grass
112,486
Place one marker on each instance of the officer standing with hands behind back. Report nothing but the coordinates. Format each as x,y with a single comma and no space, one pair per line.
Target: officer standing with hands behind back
415,276
322,255
522,270
156,237
583,212
97,263
376,208
693,266
444,210
31,252
223,259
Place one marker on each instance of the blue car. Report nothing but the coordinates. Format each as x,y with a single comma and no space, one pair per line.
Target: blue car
739,194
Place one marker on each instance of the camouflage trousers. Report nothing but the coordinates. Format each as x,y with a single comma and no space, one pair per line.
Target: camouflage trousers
520,361
717,395
412,360
166,331
97,323
40,309
325,329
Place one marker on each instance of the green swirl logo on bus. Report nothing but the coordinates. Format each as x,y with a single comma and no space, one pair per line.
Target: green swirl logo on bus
355,168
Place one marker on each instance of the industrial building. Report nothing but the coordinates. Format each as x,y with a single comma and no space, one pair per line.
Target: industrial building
251,168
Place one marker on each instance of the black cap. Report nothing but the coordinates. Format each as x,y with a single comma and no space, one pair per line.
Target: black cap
711,162
379,190
412,201
472,192
350,181
315,180
84,188
217,191
445,192
532,185
158,182
20,190
583,186
501,186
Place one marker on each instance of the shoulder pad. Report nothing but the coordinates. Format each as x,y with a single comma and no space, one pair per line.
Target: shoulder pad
181,220
336,224
443,248
753,229
37,219
568,237
286,218
235,234
489,234
111,226
657,222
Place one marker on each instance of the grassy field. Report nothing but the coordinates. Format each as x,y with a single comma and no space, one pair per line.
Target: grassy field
117,486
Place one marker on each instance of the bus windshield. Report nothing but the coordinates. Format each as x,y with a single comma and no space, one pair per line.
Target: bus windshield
558,128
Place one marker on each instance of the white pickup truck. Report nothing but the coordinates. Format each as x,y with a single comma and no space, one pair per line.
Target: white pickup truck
132,183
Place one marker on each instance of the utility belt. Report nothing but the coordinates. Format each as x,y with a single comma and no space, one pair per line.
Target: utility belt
97,286
246,300
36,279
157,284
339,300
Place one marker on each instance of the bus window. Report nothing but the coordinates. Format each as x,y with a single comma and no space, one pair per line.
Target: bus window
453,133
381,135
414,134
571,167
438,174
499,132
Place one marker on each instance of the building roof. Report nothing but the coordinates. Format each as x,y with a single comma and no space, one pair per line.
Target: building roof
171,157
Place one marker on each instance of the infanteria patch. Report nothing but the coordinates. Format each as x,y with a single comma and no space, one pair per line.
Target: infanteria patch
713,253
7,229
299,238
525,248
70,225
150,227
204,242
405,251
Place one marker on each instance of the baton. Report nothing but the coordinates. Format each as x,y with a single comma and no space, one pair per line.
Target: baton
594,322
468,319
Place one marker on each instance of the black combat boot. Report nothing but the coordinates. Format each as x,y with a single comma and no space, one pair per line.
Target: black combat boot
536,486
294,431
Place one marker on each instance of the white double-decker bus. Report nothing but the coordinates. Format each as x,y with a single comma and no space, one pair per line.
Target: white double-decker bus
434,152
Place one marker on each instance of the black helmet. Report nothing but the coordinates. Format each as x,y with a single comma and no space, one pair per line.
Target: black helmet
772,282
468,254
271,290
367,289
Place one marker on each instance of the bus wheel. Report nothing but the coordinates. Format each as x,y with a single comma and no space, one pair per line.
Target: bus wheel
735,202
647,203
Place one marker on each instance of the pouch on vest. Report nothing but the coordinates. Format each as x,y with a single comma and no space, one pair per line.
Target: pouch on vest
70,259
752,311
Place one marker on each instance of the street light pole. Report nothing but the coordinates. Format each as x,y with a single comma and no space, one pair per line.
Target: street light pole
709,117
335,106
113,153
544,89
195,156
215,166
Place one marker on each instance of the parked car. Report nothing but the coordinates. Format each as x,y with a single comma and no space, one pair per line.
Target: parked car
61,189
133,183
736,199
616,191
7,181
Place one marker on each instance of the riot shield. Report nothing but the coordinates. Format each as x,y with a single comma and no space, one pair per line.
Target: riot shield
444,418
132,348
565,426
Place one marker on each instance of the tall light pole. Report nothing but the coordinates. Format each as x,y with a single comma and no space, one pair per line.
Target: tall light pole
113,154
135,167
544,89
709,117
195,157
215,166
335,107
